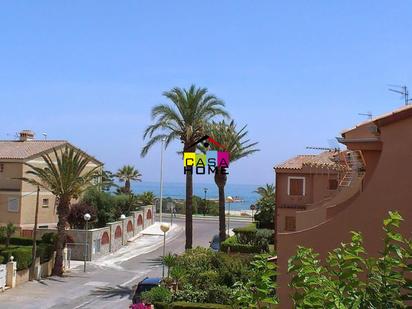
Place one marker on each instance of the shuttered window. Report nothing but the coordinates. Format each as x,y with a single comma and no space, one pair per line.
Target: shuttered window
296,186
290,223
333,184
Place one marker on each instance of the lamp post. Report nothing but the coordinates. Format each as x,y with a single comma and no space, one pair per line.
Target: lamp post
229,200
161,181
122,217
86,218
164,227
204,212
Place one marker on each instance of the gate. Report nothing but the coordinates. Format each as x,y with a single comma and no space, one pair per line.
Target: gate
2,276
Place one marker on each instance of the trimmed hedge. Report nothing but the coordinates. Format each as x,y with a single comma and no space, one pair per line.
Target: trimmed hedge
22,255
22,241
184,305
231,244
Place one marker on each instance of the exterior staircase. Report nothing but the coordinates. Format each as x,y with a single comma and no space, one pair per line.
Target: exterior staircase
355,167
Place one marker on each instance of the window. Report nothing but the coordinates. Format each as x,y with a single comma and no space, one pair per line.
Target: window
296,186
333,184
1,167
290,223
45,202
13,204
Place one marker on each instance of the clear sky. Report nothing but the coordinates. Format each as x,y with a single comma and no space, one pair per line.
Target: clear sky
296,72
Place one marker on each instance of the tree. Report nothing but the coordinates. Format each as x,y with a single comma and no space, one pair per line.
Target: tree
184,120
238,145
146,198
6,232
77,212
266,192
348,278
127,174
66,179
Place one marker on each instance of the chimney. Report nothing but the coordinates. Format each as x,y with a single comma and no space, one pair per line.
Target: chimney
26,135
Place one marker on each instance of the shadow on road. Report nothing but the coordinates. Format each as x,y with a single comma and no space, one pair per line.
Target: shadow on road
109,292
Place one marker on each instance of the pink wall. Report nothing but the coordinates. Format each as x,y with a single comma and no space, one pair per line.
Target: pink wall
388,189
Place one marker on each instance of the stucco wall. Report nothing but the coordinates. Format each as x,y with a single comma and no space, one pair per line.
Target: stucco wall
388,189
116,242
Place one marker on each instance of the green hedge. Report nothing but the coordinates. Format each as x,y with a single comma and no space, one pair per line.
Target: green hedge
2,259
22,241
22,255
231,244
184,305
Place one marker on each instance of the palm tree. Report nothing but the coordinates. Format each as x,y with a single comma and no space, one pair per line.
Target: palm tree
127,174
184,120
236,143
266,192
66,179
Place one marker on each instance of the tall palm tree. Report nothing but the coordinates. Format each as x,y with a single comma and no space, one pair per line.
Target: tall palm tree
268,191
66,179
185,120
237,144
127,174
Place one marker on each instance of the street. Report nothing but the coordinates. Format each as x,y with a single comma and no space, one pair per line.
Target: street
109,281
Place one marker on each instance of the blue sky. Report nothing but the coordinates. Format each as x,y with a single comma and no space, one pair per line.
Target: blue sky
296,73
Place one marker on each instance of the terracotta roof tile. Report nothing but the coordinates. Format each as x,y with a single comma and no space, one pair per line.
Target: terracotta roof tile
324,159
25,149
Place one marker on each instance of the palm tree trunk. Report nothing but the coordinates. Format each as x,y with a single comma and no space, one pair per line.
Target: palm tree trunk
189,210
62,212
220,180
127,186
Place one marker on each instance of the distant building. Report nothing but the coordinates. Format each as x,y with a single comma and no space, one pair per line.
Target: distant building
373,177
18,198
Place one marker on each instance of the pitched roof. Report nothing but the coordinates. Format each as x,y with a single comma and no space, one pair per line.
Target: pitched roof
20,150
324,159
397,114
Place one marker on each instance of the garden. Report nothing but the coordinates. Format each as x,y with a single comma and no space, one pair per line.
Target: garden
201,278
21,248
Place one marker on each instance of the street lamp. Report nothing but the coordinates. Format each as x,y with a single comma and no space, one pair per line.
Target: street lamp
229,200
204,212
161,180
164,227
86,218
122,217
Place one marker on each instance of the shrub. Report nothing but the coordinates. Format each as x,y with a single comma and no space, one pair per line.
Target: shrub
231,244
22,241
49,238
2,259
245,235
349,279
22,255
45,252
158,294
186,305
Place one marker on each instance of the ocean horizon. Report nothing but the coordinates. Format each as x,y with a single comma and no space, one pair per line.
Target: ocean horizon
177,191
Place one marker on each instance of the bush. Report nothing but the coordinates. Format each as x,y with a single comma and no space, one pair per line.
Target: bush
2,259
49,238
45,252
157,295
245,235
22,241
22,255
349,278
231,244
185,305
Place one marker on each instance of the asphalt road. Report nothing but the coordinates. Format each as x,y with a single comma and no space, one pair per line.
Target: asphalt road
108,282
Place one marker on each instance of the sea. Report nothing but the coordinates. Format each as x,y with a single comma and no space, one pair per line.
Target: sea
245,193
